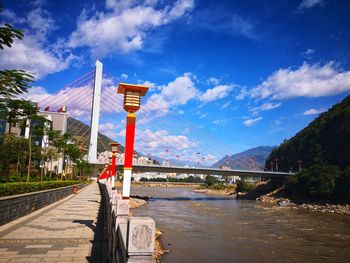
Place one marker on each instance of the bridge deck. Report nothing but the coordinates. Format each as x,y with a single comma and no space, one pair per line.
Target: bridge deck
61,232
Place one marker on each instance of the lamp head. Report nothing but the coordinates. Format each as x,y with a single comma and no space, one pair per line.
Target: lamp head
132,95
114,146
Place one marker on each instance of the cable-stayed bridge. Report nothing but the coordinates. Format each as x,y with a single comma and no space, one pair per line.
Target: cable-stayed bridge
92,100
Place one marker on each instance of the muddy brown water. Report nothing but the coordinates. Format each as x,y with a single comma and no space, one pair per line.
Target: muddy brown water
201,228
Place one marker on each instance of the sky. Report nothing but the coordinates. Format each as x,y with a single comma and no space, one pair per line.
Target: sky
245,73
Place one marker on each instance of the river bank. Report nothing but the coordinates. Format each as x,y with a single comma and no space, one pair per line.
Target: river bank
158,247
224,192
273,193
165,184
277,197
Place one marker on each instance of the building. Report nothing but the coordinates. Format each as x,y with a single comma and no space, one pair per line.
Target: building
55,120
58,122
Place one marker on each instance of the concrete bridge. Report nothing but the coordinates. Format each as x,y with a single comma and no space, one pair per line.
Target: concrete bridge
211,171
196,170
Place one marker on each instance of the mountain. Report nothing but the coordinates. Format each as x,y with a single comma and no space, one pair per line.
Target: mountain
81,135
242,160
175,162
325,141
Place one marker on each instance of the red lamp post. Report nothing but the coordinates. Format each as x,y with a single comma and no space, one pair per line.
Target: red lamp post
114,146
132,102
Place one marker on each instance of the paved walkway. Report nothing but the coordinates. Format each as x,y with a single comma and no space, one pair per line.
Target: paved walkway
61,232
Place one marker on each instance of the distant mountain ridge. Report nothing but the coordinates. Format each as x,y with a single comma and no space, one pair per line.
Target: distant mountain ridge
240,160
81,135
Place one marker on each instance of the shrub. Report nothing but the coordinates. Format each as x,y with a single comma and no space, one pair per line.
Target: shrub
7,189
317,182
210,180
218,187
243,186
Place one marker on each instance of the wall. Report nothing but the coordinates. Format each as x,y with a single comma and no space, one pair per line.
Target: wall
12,207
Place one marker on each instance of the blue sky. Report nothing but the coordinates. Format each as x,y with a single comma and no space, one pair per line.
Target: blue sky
248,72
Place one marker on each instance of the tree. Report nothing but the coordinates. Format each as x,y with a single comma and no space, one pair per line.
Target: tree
12,81
35,125
12,110
317,181
211,180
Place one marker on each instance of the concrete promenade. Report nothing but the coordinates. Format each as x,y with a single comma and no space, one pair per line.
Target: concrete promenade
66,231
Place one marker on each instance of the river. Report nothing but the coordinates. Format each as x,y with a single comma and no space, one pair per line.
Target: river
201,228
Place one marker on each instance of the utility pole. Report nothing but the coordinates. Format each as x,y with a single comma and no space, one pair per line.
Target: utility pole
300,163
276,161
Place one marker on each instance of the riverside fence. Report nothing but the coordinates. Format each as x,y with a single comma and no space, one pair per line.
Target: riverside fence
129,239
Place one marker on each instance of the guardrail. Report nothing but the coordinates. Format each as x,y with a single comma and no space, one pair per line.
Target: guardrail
129,239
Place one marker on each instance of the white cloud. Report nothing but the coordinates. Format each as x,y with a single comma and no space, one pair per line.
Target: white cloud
277,122
36,94
220,122
243,93
126,27
203,115
225,22
176,93
76,99
11,17
306,81
265,107
124,76
108,128
41,23
151,85
224,106
307,54
213,81
34,54
312,112
310,3
251,122
216,93
29,55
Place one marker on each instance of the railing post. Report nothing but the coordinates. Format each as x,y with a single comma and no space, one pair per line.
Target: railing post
141,238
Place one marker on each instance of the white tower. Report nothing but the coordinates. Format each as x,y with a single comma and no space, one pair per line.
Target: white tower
95,113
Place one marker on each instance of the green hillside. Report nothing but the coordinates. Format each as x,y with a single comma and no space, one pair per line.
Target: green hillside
81,135
324,148
326,140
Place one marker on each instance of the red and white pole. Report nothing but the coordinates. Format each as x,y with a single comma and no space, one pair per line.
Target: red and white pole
132,102
128,153
113,167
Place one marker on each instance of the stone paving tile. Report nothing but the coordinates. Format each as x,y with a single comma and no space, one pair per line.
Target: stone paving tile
63,233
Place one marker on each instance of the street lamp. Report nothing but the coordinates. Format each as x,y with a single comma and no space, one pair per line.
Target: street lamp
114,146
132,102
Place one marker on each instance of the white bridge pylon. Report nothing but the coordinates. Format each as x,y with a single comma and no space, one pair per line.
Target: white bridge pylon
95,113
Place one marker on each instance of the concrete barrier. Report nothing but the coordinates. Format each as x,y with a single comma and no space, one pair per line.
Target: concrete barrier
129,239
15,206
